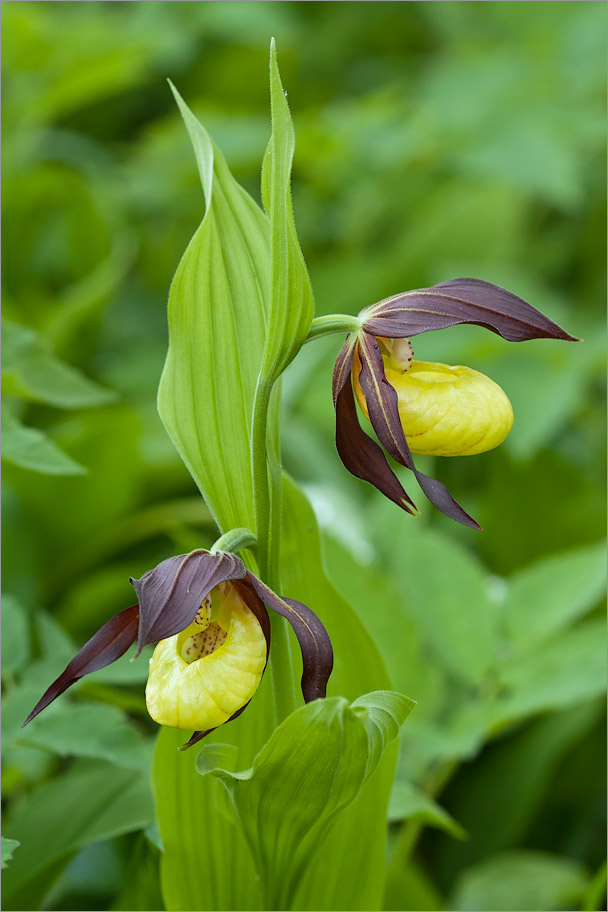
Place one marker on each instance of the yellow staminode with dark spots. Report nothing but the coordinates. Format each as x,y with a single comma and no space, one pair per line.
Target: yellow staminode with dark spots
444,410
200,677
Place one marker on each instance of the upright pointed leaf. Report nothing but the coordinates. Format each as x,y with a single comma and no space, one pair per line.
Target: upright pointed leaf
291,299
327,881
312,767
217,308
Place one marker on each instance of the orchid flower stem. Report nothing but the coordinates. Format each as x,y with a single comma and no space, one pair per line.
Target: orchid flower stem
333,323
234,540
267,484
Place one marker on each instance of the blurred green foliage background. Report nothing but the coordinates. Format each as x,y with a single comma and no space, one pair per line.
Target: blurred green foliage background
433,140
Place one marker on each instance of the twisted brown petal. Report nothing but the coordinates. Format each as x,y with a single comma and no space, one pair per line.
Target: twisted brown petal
460,301
315,645
171,594
382,403
108,644
361,455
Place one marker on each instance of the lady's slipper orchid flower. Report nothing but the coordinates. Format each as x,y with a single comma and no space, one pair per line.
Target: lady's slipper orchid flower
424,407
207,614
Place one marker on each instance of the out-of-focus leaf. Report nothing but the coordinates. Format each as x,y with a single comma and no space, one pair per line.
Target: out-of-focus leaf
596,891
93,800
142,888
291,305
512,780
564,671
409,802
32,449
545,598
31,371
15,635
8,847
408,883
90,730
217,308
444,589
546,385
314,765
523,881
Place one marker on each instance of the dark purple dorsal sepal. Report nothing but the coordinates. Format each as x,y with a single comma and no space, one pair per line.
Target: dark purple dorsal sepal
460,301
171,594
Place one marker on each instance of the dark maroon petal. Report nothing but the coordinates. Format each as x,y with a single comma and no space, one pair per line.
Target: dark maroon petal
315,645
441,498
460,301
383,407
108,644
382,402
171,594
343,365
361,455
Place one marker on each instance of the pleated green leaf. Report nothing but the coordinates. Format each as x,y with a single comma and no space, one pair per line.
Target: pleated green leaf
217,308
291,298
194,814
313,766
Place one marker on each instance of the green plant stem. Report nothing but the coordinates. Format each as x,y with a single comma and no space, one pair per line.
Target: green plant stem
333,323
234,540
267,494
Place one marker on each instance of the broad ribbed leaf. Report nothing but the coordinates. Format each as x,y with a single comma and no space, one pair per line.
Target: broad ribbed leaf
217,308
314,765
327,881
291,299
184,799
